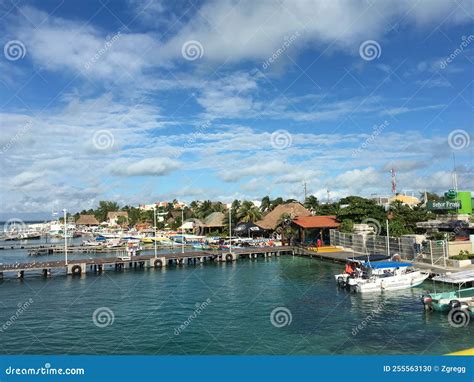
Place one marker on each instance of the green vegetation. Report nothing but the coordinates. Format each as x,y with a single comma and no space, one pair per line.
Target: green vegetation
463,255
349,211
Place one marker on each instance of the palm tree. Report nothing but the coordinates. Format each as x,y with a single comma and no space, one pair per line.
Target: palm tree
311,203
248,212
204,209
276,202
285,228
265,206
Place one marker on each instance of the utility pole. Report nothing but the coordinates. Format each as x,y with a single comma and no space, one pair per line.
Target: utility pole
388,240
154,226
455,175
230,229
65,236
305,191
182,230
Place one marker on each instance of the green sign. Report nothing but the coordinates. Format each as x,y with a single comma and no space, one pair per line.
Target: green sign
445,205
451,194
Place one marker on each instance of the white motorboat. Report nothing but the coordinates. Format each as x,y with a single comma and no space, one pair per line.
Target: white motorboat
381,276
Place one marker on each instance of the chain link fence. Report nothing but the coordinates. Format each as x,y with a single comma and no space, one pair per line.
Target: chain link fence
433,252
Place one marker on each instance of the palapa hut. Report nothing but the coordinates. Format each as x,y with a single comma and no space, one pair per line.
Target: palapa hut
270,221
214,222
87,220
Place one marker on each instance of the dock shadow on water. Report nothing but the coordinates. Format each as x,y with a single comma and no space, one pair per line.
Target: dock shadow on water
285,305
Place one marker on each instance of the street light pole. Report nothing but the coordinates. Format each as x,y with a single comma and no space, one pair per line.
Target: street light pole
230,229
65,236
182,230
154,226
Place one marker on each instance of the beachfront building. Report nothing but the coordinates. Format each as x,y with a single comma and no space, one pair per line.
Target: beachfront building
214,222
113,217
87,221
147,207
273,219
314,228
384,201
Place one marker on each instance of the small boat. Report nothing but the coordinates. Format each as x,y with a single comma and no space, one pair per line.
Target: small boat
380,276
92,243
375,257
459,298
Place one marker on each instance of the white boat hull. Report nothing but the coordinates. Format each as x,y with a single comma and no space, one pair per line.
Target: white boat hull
382,284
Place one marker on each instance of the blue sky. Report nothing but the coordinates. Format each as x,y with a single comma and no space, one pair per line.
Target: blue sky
145,101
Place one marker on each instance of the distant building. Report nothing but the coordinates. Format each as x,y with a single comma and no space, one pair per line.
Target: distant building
146,207
179,205
87,220
385,201
112,217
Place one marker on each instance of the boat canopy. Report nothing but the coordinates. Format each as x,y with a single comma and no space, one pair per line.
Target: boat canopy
387,264
456,278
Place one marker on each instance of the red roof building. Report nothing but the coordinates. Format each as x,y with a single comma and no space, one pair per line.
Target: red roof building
316,222
315,229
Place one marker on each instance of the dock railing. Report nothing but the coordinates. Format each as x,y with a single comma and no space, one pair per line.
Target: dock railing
433,252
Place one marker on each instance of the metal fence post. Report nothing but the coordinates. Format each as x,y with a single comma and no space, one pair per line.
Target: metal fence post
445,252
431,251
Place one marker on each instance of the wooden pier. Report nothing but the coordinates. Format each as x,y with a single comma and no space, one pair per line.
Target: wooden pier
79,267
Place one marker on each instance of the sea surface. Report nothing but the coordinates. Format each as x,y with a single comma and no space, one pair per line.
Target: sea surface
284,305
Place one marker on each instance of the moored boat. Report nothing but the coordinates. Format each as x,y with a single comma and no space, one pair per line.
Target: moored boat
365,277
460,297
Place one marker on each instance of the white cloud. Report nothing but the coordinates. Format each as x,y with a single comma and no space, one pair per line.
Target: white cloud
144,167
341,24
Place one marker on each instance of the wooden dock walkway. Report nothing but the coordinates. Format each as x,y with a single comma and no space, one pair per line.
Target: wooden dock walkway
100,264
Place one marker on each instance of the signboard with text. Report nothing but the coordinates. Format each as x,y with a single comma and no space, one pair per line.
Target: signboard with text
445,205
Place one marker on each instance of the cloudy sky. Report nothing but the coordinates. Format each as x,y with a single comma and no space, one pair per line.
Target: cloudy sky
139,101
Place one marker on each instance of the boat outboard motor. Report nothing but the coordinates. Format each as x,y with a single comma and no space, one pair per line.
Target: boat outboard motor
426,300
341,283
455,304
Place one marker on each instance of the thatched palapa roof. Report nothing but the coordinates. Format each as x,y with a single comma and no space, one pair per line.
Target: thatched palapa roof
216,219
87,220
270,220
116,214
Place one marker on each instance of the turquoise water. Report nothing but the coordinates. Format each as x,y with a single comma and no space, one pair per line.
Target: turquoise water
219,309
